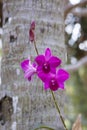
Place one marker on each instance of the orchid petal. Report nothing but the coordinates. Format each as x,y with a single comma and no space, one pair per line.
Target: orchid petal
61,85
25,64
28,69
40,59
44,77
54,61
53,70
46,86
47,54
29,73
62,75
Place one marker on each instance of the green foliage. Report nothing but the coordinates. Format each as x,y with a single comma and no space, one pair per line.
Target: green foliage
77,90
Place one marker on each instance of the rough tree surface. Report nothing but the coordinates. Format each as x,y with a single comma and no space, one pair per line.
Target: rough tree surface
32,105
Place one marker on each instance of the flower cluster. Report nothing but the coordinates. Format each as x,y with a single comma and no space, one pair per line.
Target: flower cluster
45,67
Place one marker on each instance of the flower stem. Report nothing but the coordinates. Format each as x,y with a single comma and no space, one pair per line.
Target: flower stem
57,107
36,48
54,99
41,127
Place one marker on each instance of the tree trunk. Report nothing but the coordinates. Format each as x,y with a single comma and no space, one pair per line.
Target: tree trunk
32,105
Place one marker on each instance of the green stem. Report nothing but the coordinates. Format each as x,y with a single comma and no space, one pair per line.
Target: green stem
56,104
36,48
57,107
41,127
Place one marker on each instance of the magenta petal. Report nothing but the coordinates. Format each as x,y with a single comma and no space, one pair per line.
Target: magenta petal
40,59
61,85
39,69
34,65
54,61
25,64
46,86
28,74
53,70
47,54
62,75
44,77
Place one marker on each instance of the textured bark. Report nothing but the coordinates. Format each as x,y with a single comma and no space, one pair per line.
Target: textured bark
32,104
1,13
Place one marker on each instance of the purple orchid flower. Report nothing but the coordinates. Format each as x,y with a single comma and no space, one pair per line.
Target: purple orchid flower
28,68
56,81
47,64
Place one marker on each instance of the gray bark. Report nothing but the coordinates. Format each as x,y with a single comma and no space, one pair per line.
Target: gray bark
32,104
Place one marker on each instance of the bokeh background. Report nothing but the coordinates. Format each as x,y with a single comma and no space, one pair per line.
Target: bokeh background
76,42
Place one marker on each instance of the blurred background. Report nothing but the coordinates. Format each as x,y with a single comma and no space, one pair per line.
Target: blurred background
76,43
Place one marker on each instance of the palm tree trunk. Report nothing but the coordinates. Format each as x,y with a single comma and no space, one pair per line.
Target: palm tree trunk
32,105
